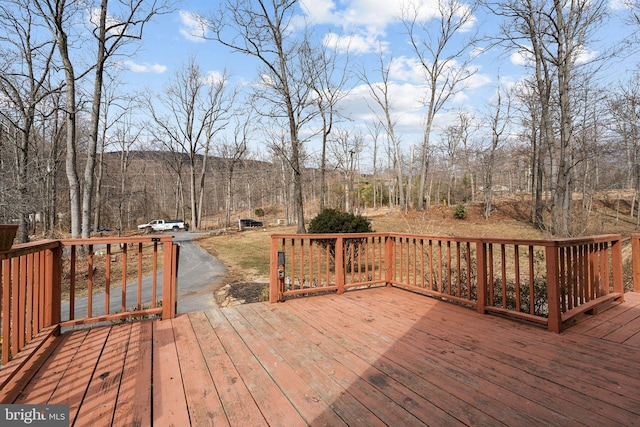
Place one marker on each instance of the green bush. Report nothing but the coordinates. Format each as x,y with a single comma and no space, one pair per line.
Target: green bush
460,212
334,221
259,212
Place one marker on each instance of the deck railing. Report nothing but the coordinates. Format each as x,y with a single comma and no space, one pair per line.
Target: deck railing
635,260
60,283
548,282
30,296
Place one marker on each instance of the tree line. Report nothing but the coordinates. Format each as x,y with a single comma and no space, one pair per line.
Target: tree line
77,152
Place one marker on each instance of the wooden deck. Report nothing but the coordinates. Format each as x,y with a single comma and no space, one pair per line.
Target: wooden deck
374,357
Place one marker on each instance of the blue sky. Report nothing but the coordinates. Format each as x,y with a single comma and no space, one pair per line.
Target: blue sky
364,25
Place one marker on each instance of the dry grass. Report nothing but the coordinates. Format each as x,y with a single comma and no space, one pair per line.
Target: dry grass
244,254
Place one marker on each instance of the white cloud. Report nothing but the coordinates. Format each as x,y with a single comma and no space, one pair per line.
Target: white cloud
144,68
584,55
192,28
356,43
353,13
114,25
524,56
620,4
407,69
214,78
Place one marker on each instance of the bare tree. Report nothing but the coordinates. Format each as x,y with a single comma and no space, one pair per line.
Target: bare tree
498,115
445,58
380,92
624,106
328,77
187,117
553,36
232,152
58,15
345,149
26,60
374,129
263,30
115,25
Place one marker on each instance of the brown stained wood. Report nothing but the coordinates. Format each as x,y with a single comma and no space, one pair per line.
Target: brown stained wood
100,399
205,408
133,406
326,355
168,398
575,372
44,383
17,314
74,382
139,294
271,400
371,357
523,338
236,399
610,320
15,376
305,400
439,393
5,269
510,383
311,362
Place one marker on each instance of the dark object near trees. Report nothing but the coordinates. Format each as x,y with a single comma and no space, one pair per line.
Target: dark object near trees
334,221
248,223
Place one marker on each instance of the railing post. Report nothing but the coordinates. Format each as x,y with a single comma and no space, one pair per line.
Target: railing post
616,260
340,273
389,259
53,283
169,279
553,292
635,260
274,282
481,274
175,258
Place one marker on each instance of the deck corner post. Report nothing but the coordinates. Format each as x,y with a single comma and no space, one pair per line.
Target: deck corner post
635,260
481,275
53,286
616,260
553,290
274,281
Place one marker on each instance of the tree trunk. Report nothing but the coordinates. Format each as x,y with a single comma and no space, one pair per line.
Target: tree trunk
92,148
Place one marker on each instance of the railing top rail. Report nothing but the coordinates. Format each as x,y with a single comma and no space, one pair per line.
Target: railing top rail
319,236
116,240
28,248
561,242
564,242
588,239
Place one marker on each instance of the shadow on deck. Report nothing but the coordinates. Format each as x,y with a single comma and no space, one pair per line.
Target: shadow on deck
381,356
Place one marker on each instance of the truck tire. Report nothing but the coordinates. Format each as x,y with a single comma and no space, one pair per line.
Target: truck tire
175,228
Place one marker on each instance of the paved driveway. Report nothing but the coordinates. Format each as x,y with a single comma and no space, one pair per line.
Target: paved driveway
199,275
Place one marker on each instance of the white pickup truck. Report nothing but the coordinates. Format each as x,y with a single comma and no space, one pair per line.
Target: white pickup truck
164,225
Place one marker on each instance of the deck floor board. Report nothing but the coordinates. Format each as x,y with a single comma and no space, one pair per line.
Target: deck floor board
373,357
